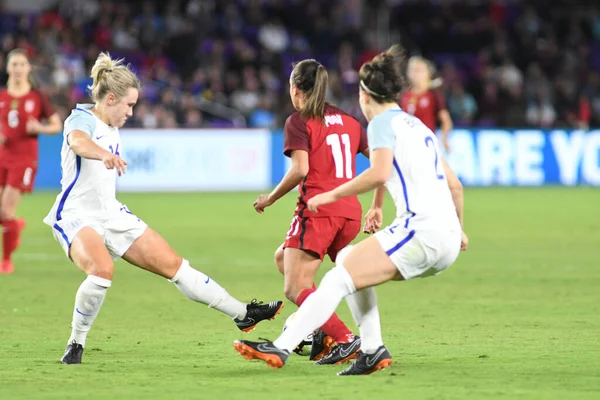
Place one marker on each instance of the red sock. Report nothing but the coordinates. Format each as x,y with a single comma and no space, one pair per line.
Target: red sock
10,236
334,326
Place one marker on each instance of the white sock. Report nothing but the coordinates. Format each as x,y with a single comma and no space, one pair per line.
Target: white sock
199,287
317,308
363,305
88,300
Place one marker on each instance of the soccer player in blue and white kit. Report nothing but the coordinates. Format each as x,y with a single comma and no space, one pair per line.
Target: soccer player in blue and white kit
424,239
94,228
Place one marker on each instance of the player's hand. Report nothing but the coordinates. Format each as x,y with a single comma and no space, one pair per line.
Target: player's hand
446,145
464,241
373,220
33,126
263,201
2,139
320,200
112,161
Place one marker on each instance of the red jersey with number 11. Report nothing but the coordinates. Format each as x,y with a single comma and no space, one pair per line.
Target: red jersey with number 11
332,146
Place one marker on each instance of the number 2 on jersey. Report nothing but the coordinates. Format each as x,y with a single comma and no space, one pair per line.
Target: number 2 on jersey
429,141
335,141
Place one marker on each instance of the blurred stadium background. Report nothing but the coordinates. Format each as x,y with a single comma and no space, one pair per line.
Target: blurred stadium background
518,315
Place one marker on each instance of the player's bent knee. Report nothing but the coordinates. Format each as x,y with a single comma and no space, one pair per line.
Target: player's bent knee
278,257
101,269
173,266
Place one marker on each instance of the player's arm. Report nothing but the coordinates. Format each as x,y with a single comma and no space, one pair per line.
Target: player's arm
297,172
443,116
53,123
378,197
446,124
51,127
381,140
296,144
82,145
376,175
456,189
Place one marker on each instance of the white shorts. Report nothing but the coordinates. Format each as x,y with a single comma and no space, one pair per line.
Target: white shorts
419,254
118,230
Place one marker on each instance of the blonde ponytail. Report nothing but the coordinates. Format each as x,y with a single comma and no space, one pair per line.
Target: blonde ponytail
111,76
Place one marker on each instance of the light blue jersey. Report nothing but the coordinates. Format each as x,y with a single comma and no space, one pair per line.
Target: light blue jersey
88,188
417,184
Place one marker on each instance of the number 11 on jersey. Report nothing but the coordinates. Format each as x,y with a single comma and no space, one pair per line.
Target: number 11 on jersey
335,141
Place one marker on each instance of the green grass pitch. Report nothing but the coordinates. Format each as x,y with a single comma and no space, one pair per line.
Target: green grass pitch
517,316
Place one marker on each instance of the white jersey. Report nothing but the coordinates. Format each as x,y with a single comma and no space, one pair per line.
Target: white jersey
417,184
88,188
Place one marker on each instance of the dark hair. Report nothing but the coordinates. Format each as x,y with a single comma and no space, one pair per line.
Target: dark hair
383,77
311,78
21,52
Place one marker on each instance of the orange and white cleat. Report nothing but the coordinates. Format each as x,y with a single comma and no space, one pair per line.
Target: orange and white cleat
265,351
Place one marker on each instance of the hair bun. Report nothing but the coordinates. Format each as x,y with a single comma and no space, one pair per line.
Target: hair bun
384,75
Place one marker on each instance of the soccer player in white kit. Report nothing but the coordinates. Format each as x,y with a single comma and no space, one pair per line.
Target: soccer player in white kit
424,239
94,228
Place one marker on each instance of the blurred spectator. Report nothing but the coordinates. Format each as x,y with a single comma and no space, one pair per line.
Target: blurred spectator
513,114
262,116
462,106
273,36
540,111
193,119
503,62
574,108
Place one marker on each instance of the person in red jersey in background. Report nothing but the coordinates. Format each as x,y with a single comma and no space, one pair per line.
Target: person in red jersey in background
423,101
21,109
322,142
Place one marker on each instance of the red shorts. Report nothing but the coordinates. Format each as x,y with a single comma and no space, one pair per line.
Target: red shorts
322,235
20,177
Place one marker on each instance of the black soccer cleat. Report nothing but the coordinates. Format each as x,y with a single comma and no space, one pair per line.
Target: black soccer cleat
321,345
73,354
256,311
341,353
265,351
366,364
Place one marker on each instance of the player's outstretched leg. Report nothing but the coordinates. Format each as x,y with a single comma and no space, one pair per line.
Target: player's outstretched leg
152,253
201,288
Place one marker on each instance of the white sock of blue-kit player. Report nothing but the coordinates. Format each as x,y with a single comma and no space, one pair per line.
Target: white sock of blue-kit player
88,301
317,308
199,287
363,305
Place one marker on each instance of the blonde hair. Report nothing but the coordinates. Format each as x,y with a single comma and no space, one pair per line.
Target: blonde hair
111,76
434,82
